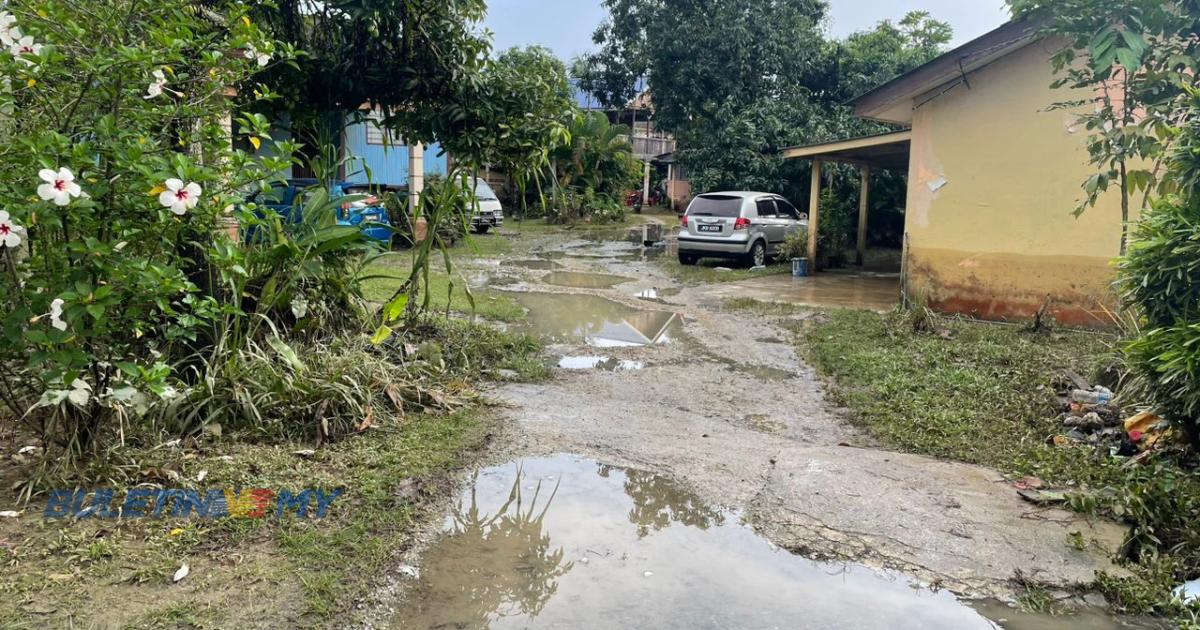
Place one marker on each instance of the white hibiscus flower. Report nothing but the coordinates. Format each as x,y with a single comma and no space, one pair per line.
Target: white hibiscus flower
157,86
56,312
10,233
23,46
258,56
180,198
8,28
60,187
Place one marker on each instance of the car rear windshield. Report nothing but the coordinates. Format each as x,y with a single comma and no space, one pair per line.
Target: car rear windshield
715,206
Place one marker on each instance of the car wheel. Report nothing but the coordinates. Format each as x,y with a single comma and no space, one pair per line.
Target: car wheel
688,259
758,254
482,229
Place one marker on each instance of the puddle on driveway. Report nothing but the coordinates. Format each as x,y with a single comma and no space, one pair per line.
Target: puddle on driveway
565,542
578,280
601,323
538,264
607,364
658,294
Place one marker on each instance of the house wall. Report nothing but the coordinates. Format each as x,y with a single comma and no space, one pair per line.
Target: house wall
998,240
387,164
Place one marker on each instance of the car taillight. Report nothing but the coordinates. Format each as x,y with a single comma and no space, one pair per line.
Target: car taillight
683,220
741,224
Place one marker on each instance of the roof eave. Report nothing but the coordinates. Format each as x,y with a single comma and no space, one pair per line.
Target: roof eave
878,103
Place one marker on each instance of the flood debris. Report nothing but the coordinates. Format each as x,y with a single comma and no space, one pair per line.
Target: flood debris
1092,418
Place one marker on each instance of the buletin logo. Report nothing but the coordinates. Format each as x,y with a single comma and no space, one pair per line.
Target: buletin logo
206,504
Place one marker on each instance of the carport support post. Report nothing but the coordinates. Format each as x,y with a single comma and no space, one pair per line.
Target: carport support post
864,204
814,213
646,185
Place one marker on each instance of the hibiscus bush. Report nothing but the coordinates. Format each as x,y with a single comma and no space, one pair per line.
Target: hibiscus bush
119,177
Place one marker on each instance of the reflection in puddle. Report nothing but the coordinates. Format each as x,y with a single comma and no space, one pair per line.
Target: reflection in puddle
565,542
579,280
608,364
537,264
658,294
596,321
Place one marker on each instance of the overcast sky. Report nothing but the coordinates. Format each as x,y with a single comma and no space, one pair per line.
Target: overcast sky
565,26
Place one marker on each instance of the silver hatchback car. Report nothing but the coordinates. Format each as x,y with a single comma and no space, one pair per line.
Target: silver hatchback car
749,226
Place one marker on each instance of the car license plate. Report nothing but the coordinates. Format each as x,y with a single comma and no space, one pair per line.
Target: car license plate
709,228
372,219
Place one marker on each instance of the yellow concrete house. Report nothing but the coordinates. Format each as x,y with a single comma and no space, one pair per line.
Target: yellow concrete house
993,177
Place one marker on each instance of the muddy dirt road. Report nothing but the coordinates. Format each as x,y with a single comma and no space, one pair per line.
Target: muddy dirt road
682,450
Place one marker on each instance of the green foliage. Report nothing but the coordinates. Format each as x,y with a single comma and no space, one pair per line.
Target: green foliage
418,60
795,245
593,171
735,96
528,107
1158,276
110,280
294,274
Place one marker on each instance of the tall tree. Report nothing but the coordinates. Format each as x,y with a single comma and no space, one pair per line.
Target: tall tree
736,82
417,60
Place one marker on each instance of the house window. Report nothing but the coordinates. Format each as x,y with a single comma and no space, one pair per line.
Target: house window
377,135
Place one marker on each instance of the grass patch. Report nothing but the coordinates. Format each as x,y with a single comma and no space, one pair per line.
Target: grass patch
489,304
759,307
293,572
987,394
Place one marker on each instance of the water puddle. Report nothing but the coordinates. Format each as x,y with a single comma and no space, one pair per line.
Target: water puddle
566,542
601,323
537,265
659,294
607,364
577,280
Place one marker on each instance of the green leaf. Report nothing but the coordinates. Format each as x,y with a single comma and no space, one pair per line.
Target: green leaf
1129,60
394,309
286,352
381,335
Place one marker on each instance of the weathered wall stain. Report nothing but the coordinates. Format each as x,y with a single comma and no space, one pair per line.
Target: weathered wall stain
999,239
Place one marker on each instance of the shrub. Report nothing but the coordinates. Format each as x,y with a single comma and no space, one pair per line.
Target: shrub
1159,276
117,174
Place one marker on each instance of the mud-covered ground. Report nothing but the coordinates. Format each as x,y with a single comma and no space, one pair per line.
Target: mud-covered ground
658,377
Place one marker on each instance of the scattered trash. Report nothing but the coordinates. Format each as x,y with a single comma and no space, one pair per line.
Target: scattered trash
409,571
201,476
1030,483
176,532
583,560
1188,591
722,269
28,450
9,514
648,574
1096,396
181,573
759,268
307,453
1090,421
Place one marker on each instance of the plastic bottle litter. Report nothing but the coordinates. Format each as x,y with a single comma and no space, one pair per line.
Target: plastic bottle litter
1097,396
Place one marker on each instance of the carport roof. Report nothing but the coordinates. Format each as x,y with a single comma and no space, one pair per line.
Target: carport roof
888,150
